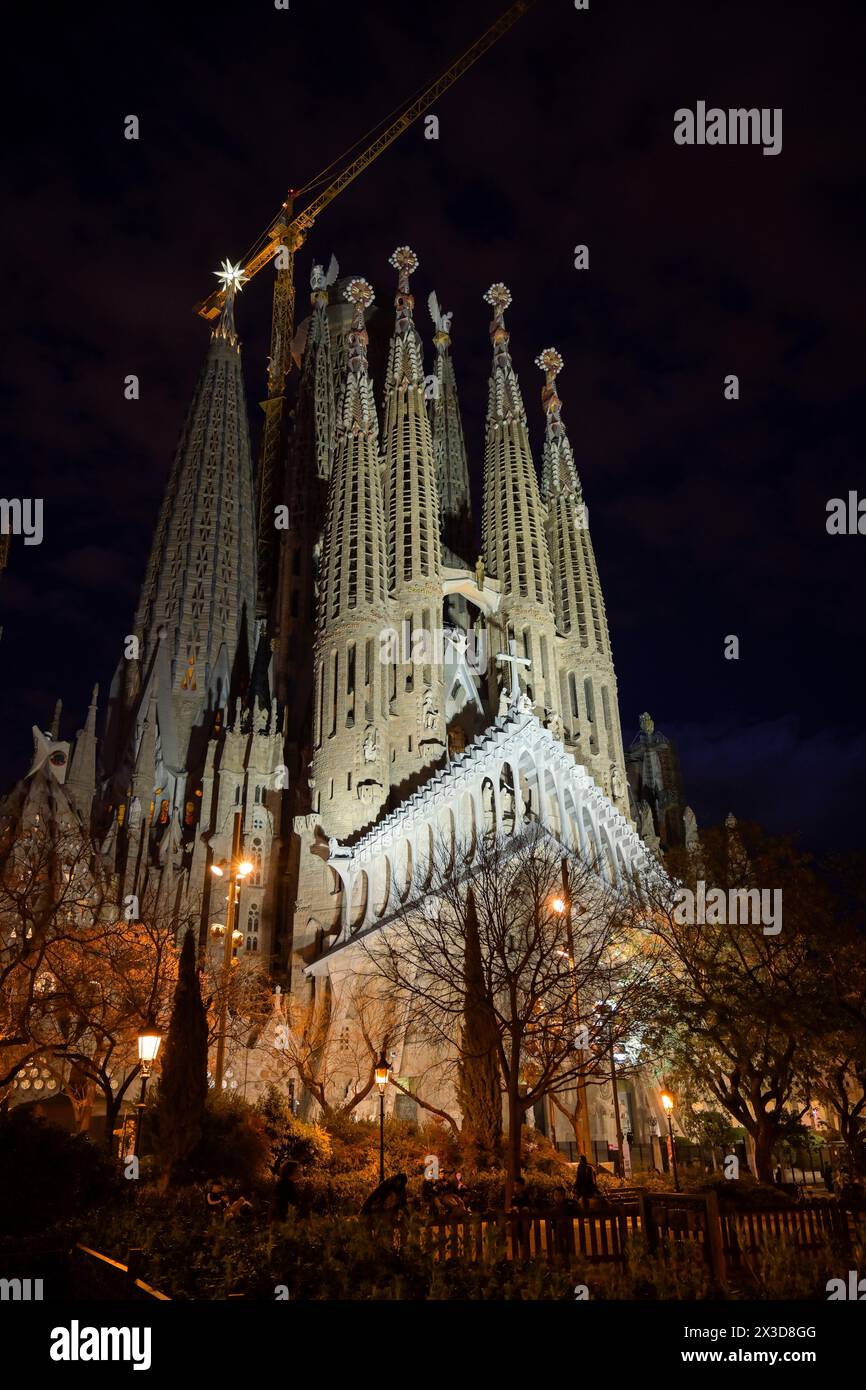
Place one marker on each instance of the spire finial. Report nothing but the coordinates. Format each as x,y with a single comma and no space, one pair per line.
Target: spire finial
550,362
359,293
404,262
499,297
441,322
321,280
55,723
232,279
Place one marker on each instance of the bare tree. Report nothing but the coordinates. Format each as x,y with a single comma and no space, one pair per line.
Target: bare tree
740,1006
550,981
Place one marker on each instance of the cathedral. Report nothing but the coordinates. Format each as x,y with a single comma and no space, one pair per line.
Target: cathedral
384,685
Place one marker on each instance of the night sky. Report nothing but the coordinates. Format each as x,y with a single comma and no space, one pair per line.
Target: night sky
708,516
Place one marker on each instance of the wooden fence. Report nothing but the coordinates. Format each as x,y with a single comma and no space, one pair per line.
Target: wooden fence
97,1276
602,1237
808,1226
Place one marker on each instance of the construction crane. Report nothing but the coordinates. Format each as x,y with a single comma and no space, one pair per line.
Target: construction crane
282,239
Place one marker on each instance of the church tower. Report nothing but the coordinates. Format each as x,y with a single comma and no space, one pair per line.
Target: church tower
200,581
587,679
515,542
449,450
417,731
311,455
191,641
350,718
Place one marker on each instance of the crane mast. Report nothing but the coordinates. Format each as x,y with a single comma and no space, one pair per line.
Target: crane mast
281,241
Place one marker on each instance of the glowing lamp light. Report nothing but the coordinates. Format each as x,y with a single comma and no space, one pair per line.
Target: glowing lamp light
217,869
149,1040
558,905
381,1073
245,868
667,1101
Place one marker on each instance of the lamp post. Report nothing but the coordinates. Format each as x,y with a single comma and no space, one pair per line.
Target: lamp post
607,1011
236,869
149,1040
668,1103
563,907
382,1073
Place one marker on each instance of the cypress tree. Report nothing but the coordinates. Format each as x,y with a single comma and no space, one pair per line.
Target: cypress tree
183,1084
479,1091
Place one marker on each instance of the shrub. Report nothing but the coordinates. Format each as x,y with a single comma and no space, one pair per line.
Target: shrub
233,1143
289,1137
538,1155
355,1146
47,1175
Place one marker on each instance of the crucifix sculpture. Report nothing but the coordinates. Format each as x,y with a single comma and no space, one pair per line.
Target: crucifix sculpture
513,660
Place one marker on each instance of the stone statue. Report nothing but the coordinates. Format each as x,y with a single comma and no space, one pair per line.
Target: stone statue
504,703
553,723
646,828
429,709
479,573
690,826
371,745
647,724
524,704
263,719
616,788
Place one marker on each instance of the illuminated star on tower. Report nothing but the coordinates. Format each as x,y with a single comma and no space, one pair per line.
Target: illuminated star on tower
232,278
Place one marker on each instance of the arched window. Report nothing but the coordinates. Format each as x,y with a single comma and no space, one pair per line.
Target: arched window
253,927
256,856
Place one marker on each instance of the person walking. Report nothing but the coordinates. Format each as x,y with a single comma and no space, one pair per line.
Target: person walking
585,1185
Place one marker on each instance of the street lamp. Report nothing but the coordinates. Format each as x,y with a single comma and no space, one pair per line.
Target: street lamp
382,1073
607,1011
561,905
668,1104
149,1040
236,869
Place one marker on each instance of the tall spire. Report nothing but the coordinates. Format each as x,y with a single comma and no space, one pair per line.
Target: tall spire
449,448
200,582
310,459
515,544
232,278
350,757
81,780
589,705
412,506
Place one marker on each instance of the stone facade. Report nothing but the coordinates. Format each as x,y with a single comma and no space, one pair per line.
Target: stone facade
344,750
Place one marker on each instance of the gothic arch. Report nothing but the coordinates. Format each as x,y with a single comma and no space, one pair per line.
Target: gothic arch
358,906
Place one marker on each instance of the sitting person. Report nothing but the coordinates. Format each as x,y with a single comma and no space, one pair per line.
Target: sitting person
561,1204
389,1196
240,1207
216,1197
